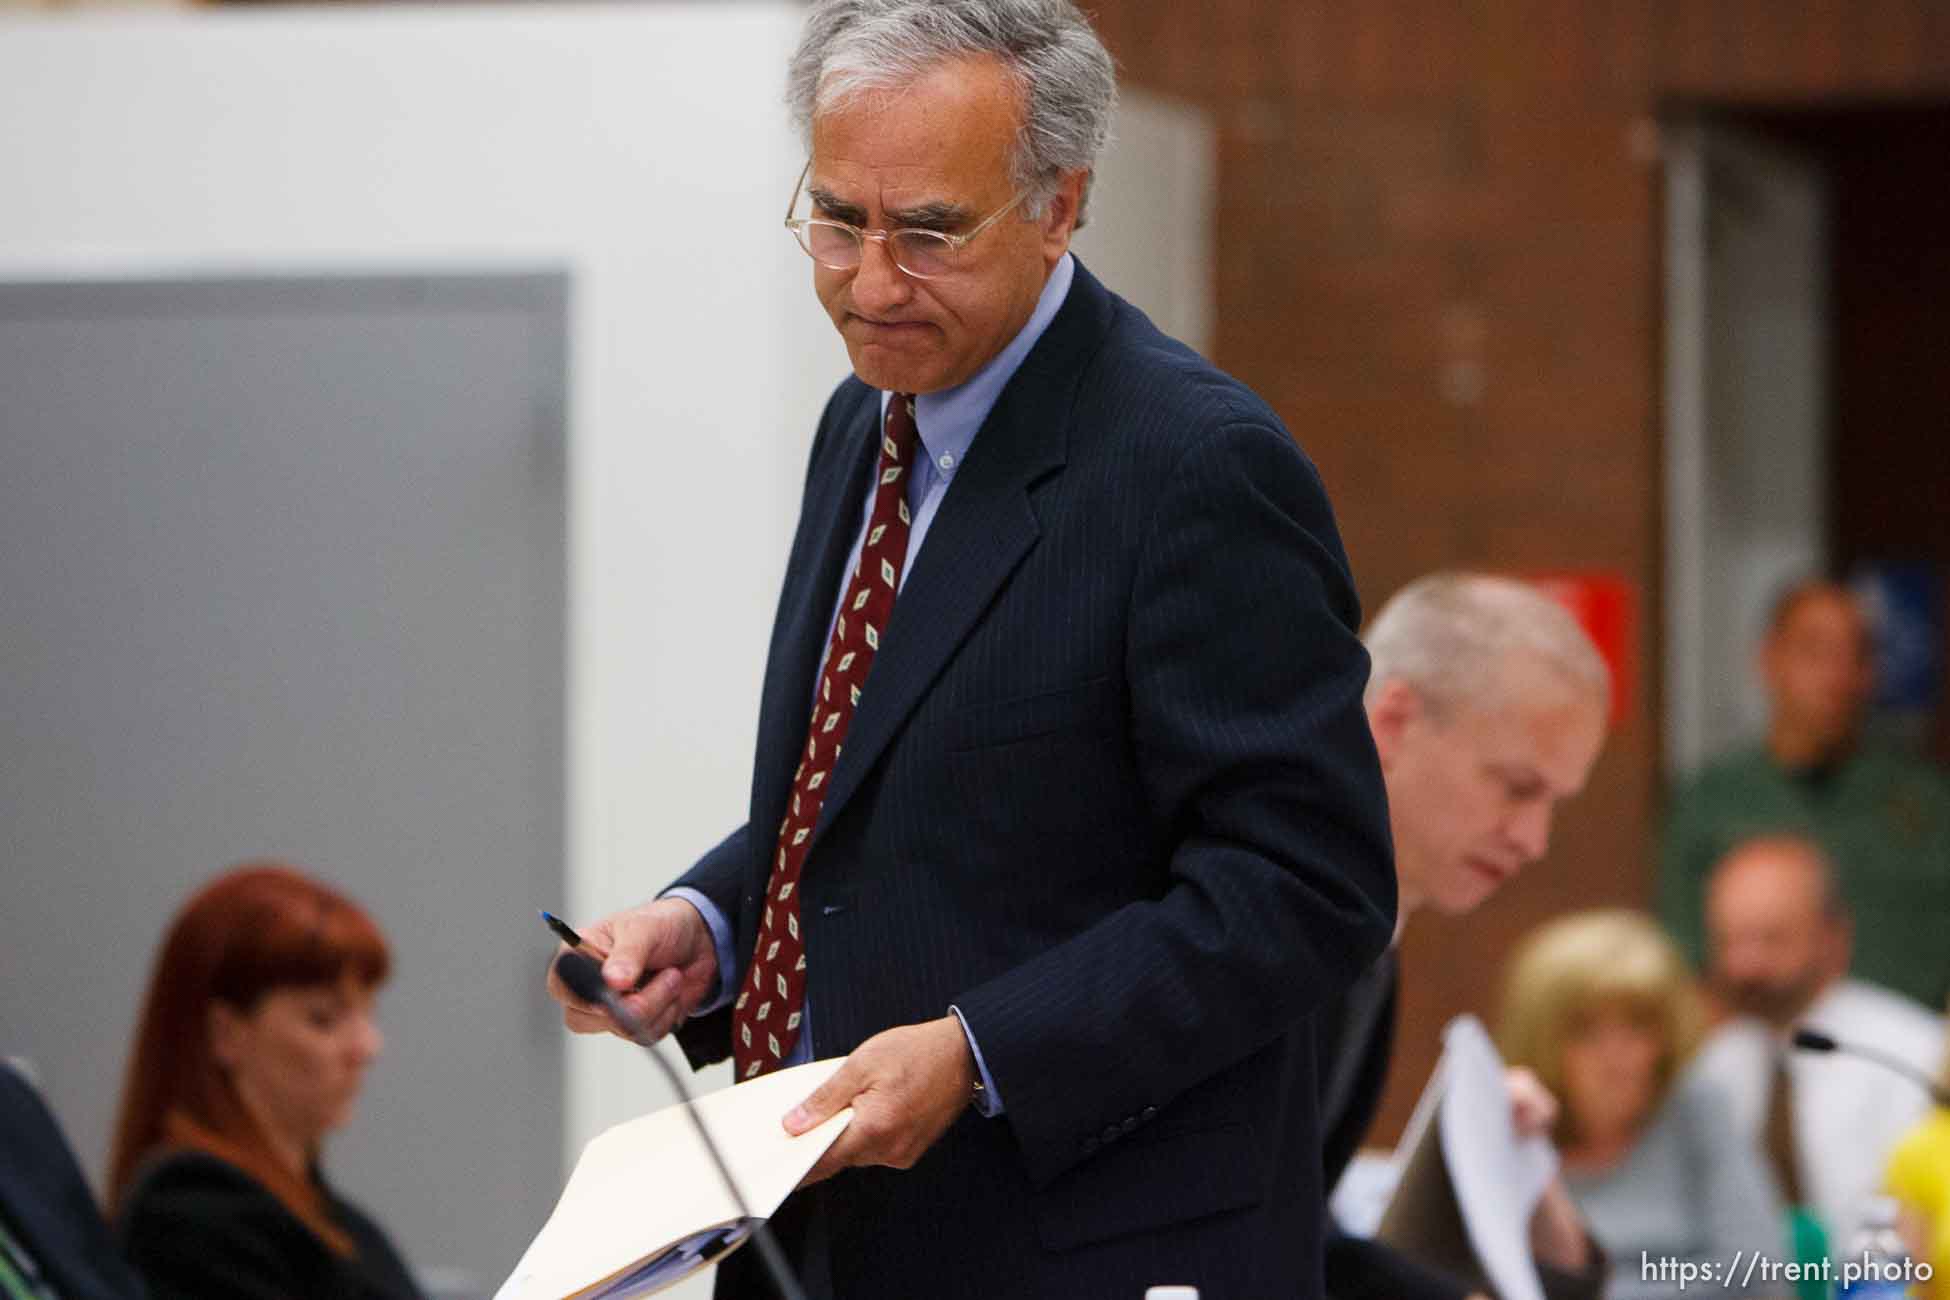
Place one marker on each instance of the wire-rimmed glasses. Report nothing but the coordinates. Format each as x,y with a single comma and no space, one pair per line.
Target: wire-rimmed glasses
923,254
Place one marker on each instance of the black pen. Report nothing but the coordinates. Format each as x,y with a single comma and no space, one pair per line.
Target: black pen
567,934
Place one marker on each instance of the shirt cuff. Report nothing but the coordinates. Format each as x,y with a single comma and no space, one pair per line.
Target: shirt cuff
720,938
990,1102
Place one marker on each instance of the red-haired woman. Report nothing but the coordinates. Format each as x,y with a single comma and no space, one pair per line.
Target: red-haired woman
253,1042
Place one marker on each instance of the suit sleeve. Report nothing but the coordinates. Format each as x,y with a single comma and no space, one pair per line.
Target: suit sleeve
1246,677
720,876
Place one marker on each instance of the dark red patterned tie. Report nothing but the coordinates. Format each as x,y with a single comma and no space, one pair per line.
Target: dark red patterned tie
765,1020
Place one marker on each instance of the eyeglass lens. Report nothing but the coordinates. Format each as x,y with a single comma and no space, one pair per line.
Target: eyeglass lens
920,252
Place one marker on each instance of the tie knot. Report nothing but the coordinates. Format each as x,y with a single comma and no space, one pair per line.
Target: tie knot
902,432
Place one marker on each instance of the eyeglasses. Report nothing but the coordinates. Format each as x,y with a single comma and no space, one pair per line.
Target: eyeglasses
923,254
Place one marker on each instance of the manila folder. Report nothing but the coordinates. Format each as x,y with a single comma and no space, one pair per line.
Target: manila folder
645,1205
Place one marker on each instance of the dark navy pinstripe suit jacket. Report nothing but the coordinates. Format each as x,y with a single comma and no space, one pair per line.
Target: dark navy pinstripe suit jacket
1110,791
46,1205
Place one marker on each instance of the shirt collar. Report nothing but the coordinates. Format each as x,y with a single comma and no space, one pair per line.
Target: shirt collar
948,420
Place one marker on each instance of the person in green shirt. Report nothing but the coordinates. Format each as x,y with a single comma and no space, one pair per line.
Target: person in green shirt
1883,817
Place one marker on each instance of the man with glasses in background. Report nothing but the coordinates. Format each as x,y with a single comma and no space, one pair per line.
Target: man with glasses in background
1065,813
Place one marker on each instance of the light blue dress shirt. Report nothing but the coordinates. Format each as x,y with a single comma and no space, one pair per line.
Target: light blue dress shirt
947,422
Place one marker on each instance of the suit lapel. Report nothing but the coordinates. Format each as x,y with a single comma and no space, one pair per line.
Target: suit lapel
983,529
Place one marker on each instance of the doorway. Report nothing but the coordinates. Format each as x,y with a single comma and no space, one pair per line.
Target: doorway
1807,406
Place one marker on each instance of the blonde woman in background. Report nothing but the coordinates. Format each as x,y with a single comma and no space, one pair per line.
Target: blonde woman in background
1602,1008
1919,1178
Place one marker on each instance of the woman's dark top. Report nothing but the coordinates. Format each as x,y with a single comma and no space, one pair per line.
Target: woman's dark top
199,1228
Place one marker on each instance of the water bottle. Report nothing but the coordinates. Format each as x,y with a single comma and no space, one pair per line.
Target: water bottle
1876,1266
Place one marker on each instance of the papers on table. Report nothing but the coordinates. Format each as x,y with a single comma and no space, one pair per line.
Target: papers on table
645,1205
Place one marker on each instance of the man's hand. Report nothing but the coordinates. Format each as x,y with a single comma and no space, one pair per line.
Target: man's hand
1533,1110
1557,1235
906,1086
660,961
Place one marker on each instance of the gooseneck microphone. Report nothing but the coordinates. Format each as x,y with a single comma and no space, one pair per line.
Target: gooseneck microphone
1813,1040
583,977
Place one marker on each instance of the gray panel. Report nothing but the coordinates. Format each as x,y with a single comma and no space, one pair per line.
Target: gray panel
281,574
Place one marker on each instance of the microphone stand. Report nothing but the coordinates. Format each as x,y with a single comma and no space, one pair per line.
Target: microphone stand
1813,1040
584,978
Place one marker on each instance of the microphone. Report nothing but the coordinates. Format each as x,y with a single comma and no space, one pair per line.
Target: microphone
583,977
1813,1040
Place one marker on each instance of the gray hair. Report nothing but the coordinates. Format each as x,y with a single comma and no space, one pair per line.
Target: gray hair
1447,633
1067,81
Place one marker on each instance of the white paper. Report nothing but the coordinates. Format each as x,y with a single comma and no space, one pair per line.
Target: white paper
649,1183
1362,1195
1498,1177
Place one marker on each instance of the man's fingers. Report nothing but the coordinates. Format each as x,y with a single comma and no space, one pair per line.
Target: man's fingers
827,1100
651,950
670,1017
620,972
1533,1106
586,1022
636,942
598,937
657,1008
655,1005
644,941
556,988
905,1087
665,991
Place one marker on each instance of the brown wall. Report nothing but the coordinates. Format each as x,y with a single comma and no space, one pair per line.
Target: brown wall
1438,257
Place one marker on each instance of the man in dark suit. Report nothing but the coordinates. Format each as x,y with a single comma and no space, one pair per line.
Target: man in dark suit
1488,705
1064,811
53,1243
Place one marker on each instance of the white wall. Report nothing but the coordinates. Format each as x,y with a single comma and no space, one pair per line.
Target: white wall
644,148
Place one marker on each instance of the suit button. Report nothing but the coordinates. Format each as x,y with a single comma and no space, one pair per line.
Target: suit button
1148,1112
1110,1132
1130,1122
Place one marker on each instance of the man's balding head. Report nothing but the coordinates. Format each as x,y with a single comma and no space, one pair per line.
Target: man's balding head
1779,931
